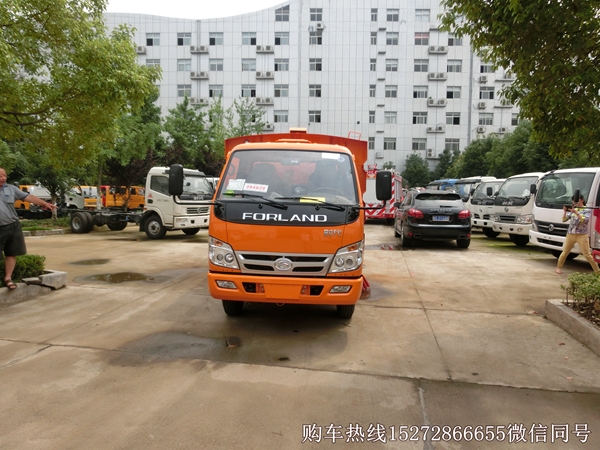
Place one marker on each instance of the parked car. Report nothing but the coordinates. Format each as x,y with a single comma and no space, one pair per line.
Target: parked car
433,215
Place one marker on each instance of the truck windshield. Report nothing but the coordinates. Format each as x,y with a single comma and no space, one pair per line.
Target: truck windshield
290,175
517,187
196,187
557,189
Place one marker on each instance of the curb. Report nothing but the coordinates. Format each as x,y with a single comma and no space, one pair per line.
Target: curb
574,324
43,232
30,288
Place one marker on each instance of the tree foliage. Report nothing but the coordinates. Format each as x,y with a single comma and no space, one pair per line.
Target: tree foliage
473,160
416,171
553,48
65,80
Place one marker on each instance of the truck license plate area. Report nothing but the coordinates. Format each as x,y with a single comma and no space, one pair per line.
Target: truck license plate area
283,292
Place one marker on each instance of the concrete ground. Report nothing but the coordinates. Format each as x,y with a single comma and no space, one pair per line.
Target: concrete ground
134,353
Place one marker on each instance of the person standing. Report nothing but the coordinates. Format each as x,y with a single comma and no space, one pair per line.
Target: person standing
579,220
12,241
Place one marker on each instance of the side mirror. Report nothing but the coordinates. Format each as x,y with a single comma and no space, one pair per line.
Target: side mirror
176,180
576,196
383,185
397,205
489,191
532,189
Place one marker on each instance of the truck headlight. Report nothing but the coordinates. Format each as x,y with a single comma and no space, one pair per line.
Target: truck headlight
494,218
221,254
525,219
347,258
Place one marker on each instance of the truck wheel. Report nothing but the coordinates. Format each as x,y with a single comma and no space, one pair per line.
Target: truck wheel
117,226
154,228
519,240
345,311
79,223
233,307
489,232
191,231
90,220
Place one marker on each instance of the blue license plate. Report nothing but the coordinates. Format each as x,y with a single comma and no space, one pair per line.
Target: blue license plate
441,218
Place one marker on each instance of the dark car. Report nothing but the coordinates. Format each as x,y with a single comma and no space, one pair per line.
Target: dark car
432,215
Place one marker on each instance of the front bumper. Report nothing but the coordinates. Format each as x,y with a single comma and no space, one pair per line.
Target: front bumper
181,222
511,228
265,289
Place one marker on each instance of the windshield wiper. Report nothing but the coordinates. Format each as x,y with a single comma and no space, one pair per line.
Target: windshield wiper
320,203
267,200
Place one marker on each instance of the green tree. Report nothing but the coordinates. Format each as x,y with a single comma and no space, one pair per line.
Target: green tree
444,163
553,48
473,160
416,171
65,80
245,118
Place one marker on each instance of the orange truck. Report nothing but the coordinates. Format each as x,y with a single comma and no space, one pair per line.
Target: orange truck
287,221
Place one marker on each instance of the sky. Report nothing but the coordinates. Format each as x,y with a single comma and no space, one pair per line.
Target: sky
189,9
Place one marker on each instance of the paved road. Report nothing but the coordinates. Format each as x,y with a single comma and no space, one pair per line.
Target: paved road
449,339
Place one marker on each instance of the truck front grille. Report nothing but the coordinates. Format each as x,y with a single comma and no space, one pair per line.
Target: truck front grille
554,229
197,211
507,218
276,263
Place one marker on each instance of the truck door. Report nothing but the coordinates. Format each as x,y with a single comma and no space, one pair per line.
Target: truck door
158,198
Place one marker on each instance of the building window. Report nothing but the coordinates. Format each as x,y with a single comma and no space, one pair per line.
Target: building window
486,119
452,145
421,65
316,14
215,38
391,38
315,64
422,38
152,39
315,38
391,91
419,118
419,144
372,90
389,143
314,90
184,90
153,63
184,38
282,65
374,38
314,116
249,38
283,15
280,116
216,65
373,65
486,68
248,90
282,90
453,40
371,116
184,65
422,15
420,92
248,65
215,90
371,143
453,118
454,65
282,38
486,93
514,120
453,92
391,65
392,15
390,117
373,14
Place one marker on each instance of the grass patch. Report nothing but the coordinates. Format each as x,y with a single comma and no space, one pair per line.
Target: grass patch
46,224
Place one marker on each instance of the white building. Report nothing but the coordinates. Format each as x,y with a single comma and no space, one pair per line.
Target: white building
378,69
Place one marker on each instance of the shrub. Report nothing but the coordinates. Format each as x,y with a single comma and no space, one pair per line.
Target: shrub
27,266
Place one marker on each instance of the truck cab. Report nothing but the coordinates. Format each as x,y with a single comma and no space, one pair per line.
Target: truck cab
481,205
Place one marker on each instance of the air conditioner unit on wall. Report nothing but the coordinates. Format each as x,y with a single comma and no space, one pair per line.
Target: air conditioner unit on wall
431,101
503,130
141,49
198,49
481,105
481,129
483,79
442,102
320,25
269,127
431,153
440,128
379,155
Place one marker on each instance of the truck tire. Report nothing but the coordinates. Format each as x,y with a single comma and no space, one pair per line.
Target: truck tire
345,311
489,232
154,228
191,231
519,240
90,220
79,223
233,307
116,226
